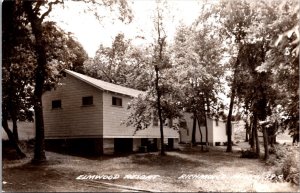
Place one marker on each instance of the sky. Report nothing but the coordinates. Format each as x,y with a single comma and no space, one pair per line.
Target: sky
91,33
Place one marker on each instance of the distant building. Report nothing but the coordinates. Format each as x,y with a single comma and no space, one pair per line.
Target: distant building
88,110
216,131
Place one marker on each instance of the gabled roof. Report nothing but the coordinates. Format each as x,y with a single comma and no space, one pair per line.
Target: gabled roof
102,85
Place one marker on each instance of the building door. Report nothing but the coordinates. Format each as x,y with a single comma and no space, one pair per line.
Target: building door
123,145
170,143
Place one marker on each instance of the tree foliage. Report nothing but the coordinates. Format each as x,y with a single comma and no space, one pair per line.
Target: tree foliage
282,60
122,63
44,50
235,18
161,99
197,53
265,30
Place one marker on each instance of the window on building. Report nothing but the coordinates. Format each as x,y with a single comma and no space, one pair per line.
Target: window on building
116,101
56,104
87,100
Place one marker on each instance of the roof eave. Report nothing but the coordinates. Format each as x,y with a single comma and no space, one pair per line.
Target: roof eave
96,86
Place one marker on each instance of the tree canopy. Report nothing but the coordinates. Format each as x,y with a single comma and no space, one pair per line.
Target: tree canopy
251,46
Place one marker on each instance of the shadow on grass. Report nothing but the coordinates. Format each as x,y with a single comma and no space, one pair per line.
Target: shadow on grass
210,151
9,153
28,177
167,160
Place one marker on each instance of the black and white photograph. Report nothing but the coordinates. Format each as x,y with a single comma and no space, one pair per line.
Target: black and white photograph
150,96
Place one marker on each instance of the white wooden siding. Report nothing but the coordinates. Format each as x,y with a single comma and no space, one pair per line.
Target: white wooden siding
99,120
219,134
73,120
215,133
186,136
113,116
210,130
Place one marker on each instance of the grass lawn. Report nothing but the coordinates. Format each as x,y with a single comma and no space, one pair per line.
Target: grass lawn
188,170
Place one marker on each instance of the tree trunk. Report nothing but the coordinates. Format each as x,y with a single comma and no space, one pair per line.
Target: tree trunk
161,126
194,130
13,106
39,148
201,138
256,135
233,93
15,128
12,138
252,141
228,124
273,137
13,99
40,74
206,132
161,44
271,141
247,132
250,133
246,137
266,146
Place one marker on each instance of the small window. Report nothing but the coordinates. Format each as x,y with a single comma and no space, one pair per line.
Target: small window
87,100
116,101
217,122
56,104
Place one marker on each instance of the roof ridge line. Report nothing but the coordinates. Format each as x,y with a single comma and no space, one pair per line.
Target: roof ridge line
121,89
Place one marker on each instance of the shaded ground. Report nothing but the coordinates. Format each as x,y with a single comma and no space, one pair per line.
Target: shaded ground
214,171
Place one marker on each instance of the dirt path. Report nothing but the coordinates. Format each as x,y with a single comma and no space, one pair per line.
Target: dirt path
190,171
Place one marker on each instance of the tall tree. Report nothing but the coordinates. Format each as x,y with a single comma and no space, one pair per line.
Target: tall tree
18,70
256,90
235,17
14,75
45,66
35,18
275,23
197,53
122,63
160,61
162,97
282,59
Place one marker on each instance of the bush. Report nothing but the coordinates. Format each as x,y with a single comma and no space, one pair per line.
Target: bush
272,150
285,159
290,168
280,152
272,161
249,154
